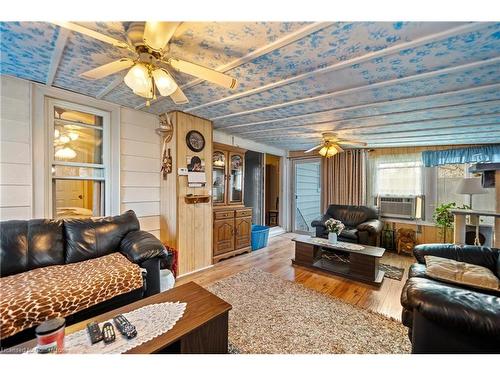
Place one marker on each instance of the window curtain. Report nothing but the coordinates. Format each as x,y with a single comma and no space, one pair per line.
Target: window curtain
479,154
344,180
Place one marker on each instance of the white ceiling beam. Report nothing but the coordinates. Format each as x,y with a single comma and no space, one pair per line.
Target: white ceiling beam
278,43
369,105
111,86
342,64
362,88
337,122
61,41
404,134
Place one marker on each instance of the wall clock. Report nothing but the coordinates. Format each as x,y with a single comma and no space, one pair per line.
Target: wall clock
195,141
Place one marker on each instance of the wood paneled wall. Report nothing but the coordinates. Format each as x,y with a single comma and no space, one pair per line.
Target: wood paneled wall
140,167
188,227
16,187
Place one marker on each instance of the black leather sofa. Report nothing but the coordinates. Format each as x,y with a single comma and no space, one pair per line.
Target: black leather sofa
362,224
29,244
450,318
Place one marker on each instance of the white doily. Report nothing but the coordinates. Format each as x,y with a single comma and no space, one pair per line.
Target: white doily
340,244
150,321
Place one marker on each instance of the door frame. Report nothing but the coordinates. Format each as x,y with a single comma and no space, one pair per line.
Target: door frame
293,200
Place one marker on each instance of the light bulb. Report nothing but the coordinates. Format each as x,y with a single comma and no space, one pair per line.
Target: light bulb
64,138
164,82
323,151
138,78
65,153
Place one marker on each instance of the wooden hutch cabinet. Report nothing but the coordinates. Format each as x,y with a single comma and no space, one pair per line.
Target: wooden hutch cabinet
232,220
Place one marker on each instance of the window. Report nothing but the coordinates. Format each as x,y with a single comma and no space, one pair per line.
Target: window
448,177
79,158
396,175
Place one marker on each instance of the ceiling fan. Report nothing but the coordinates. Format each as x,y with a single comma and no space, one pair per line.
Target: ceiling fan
330,145
150,68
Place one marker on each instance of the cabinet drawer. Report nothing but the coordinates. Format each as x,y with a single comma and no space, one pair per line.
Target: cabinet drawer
244,213
223,214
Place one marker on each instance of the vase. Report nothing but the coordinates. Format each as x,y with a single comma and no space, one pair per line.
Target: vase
332,237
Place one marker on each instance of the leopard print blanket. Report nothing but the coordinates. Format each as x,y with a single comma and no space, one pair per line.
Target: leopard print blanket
29,298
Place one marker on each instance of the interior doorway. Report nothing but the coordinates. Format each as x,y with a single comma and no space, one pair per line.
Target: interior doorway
272,190
254,185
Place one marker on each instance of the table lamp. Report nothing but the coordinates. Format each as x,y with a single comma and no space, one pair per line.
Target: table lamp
470,186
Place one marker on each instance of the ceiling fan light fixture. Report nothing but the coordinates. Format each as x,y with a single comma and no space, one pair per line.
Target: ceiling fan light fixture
328,151
138,79
65,153
164,82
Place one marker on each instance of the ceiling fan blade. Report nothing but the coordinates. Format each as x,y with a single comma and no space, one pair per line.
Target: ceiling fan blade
158,34
178,97
203,73
108,69
354,143
93,34
314,148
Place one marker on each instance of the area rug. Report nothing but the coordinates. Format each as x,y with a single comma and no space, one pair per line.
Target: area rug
272,315
391,272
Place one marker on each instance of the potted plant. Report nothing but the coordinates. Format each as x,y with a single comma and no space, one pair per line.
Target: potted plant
444,218
334,228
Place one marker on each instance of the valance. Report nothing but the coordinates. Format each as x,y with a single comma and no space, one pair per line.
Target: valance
477,154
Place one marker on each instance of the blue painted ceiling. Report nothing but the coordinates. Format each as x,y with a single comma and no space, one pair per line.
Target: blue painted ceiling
384,83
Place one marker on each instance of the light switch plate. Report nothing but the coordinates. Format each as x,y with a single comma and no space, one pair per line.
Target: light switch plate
182,171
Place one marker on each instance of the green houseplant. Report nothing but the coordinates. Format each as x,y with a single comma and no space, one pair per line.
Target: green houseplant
444,218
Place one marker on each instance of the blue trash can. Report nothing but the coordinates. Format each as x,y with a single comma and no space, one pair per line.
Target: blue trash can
260,236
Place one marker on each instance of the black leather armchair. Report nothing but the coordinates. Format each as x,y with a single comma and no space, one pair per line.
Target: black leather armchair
448,318
362,224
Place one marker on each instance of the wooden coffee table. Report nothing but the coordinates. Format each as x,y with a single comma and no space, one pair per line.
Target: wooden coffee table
203,329
358,264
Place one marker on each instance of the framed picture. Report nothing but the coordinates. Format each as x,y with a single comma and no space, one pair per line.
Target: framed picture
195,164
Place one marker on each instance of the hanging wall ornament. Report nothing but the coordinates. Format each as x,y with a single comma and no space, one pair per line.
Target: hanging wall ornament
166,130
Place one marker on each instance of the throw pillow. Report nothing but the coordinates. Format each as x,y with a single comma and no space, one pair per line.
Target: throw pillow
461,273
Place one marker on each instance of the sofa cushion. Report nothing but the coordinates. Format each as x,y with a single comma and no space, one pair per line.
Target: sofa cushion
28,244
352,216
92,238
417,270
31,297
461,273
351,234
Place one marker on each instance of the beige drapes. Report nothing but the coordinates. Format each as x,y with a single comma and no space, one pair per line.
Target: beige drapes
344,179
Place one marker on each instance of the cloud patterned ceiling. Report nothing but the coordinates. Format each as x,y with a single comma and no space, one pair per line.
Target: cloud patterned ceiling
385,83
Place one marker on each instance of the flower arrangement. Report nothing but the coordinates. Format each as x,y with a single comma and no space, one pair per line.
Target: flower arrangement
334,226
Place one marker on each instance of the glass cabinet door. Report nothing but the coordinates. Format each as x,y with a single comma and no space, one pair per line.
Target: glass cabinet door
236,179
219,176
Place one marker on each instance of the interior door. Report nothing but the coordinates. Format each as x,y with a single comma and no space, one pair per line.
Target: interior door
306,185
70,193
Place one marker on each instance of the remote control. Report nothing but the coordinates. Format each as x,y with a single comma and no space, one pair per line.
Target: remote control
94,332
108,332
125,327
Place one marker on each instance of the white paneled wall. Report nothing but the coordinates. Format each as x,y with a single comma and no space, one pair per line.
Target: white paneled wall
15,149
140,167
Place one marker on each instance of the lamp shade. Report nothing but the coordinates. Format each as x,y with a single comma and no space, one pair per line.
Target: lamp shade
164,82
138,79
470,186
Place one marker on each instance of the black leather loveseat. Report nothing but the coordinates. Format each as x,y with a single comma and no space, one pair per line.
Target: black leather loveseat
448,318
362,224
32,249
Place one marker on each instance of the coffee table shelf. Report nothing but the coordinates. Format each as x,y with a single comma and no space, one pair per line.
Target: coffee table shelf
352,261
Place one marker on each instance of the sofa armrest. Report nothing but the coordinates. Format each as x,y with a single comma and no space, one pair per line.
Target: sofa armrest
373,226
321,222
478,255
453,307
139,246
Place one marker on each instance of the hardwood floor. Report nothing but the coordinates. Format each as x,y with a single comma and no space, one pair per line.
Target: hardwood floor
276,259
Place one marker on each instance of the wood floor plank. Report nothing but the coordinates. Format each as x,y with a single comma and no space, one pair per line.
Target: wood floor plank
276,259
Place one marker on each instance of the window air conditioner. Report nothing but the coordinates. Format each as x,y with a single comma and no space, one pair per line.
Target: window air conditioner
409,208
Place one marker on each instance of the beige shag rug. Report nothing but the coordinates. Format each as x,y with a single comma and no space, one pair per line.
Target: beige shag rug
272,315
